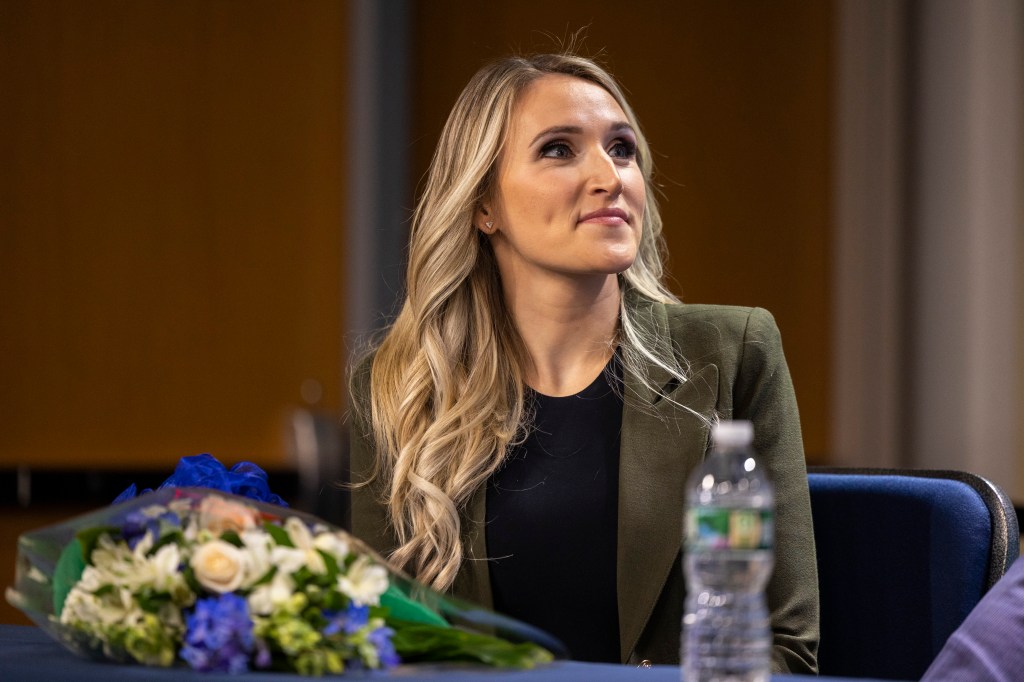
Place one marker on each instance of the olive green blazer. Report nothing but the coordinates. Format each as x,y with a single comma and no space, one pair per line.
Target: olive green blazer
736,370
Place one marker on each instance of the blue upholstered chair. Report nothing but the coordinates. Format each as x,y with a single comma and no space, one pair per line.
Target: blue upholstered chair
903,556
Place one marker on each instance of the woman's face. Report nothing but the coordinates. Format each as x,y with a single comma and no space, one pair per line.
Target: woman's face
569,197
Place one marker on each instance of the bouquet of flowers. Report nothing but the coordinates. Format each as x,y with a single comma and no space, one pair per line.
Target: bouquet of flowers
226,583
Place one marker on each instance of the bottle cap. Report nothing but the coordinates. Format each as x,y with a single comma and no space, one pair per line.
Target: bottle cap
732,434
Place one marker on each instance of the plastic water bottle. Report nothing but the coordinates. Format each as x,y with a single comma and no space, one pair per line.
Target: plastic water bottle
729,556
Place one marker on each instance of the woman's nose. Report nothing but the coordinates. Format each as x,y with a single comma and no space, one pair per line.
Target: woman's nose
604,174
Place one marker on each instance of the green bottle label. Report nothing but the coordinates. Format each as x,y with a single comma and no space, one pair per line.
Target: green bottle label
725,528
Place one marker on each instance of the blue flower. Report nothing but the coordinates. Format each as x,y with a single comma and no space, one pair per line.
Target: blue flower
205,471
381,641
352,620
218,635
136,525
348,621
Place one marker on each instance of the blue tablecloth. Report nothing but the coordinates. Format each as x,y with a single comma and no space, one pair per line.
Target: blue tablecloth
27,653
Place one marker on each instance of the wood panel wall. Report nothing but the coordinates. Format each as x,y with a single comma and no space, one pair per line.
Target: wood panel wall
172,216
735,97
171,227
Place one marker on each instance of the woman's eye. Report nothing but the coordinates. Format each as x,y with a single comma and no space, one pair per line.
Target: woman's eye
623,149
556,150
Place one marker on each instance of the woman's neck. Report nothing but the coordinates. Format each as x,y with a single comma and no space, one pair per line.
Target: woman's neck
568,326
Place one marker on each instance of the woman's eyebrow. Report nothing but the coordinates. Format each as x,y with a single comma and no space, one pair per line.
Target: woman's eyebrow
557,130
618,126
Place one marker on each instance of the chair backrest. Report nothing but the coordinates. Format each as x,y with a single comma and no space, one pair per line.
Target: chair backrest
903,556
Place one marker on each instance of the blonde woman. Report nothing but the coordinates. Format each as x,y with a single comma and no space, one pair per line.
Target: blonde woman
525,429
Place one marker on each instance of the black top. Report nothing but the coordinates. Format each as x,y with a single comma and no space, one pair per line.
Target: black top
551,520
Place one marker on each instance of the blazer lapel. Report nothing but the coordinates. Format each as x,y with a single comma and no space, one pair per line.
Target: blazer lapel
661,443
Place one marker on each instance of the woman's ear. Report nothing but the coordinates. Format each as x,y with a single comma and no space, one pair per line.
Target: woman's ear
484,220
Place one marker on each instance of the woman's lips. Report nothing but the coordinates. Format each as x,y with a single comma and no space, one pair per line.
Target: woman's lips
606,216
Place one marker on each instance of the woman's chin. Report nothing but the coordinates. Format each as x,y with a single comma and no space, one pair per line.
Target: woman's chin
617,263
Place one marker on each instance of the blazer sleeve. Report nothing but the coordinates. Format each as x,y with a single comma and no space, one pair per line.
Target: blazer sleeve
763,393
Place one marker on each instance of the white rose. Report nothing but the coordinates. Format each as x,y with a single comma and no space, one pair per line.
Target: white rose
218,566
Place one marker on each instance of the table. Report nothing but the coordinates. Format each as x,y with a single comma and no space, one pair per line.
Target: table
27,653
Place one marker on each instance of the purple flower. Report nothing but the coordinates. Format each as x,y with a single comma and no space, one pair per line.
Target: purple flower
263,659
218,635
205,471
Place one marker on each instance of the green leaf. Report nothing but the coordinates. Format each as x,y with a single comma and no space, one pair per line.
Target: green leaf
150,600
68,571
173,537
90,537
232,538
332,566
415,642
279,534
335,601
404,609
267,577
190,579
302,576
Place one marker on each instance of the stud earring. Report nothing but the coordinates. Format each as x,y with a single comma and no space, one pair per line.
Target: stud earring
489,224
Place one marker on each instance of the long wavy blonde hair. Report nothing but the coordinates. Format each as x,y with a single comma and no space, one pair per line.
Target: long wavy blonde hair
446,384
